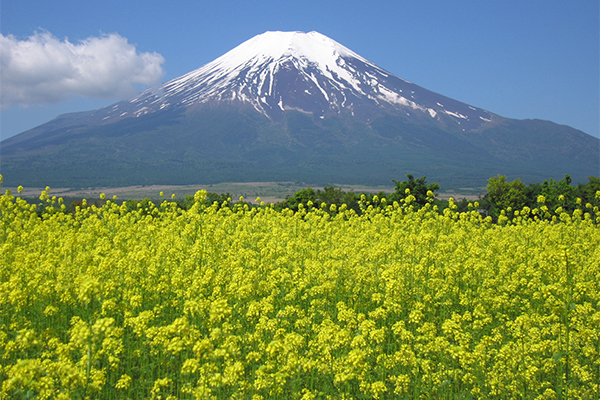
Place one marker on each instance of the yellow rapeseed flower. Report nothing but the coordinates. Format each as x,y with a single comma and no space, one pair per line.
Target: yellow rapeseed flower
249,302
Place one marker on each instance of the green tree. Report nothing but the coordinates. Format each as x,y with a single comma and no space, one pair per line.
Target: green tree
588,191
332,195
559,193
418,188
502,194
303,196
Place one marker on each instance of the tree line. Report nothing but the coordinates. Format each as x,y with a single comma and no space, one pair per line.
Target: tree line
502,195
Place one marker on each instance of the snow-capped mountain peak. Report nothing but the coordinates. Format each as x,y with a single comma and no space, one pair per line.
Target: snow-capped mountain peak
272,46
278,71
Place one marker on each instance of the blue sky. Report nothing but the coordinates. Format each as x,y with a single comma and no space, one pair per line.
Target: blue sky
519,59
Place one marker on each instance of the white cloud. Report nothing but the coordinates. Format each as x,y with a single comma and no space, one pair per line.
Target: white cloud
43,69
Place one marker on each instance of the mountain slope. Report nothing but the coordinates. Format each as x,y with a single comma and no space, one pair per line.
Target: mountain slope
279,71
292,106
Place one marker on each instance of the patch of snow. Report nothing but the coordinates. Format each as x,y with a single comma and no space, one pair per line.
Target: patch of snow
297,109
316,82
394,98
141,111
457,115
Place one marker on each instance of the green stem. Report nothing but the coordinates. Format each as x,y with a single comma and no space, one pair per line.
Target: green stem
567,325
89,362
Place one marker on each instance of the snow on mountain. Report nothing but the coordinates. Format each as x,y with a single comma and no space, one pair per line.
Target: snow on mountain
279,71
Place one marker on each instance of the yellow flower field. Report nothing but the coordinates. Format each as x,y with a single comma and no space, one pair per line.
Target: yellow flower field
251,303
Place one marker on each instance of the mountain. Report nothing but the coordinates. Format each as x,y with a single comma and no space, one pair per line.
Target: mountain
292,106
